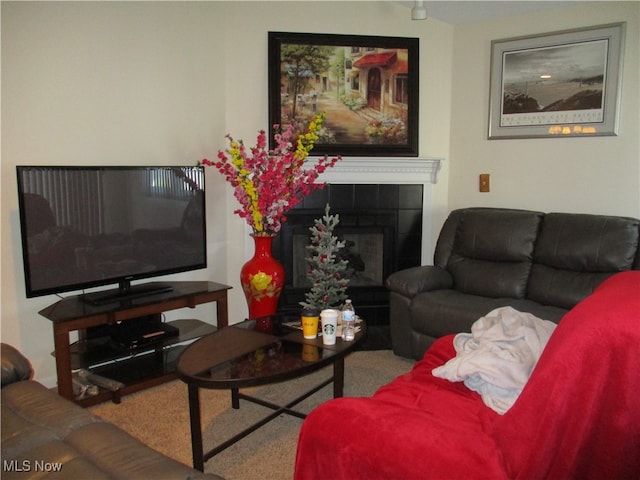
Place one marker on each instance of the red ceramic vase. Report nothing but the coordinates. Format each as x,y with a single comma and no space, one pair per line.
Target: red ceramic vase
262,279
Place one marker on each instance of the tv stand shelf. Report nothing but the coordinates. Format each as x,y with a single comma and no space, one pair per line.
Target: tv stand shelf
95,352
137,369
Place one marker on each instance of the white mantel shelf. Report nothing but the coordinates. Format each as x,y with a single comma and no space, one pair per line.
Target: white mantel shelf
382,170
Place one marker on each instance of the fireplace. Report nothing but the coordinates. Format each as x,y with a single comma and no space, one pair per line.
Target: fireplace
382,225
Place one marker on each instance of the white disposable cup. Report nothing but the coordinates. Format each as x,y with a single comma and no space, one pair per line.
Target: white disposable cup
329,319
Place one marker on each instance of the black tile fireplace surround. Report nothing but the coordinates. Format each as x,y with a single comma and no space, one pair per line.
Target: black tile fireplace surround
383,219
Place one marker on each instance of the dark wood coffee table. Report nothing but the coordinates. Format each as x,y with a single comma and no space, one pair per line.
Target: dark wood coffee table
242,356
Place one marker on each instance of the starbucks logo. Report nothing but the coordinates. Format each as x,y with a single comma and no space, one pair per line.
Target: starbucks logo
329,329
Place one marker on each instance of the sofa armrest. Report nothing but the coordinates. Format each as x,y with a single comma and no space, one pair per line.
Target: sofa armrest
15,367
411,281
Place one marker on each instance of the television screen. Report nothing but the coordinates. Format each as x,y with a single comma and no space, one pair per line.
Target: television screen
91,226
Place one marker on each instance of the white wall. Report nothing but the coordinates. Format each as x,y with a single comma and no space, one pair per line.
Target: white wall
161,83
590,175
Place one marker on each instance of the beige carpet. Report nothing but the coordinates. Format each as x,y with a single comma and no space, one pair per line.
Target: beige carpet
159,417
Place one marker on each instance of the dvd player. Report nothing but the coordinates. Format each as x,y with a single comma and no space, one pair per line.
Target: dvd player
143,332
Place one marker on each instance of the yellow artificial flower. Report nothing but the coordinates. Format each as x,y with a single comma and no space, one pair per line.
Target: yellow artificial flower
267,183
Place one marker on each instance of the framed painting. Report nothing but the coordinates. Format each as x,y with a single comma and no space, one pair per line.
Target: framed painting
562,84
366,85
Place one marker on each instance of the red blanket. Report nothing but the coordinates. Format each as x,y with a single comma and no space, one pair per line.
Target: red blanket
578,416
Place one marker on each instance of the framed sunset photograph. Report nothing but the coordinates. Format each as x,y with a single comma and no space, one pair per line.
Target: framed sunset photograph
556,85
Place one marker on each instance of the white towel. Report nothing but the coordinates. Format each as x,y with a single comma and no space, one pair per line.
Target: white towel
498,356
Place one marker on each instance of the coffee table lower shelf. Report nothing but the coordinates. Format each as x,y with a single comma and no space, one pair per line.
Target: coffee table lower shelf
236,396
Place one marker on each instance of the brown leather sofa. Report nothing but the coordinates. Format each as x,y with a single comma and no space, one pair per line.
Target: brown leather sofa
487,258
46,436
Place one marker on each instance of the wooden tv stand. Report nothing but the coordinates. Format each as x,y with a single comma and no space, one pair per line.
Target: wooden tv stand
140,369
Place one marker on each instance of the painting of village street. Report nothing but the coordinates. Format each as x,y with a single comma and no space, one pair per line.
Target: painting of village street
363,90
565,78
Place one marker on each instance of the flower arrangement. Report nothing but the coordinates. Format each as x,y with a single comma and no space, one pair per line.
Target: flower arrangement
268,183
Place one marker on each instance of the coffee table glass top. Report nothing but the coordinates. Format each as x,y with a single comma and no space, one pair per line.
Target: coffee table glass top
250,353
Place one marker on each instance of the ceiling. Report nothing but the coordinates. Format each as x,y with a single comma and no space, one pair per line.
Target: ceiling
458,12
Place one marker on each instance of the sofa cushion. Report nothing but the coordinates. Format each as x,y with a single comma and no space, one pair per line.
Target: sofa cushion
33,416
493,250
442,312
576,252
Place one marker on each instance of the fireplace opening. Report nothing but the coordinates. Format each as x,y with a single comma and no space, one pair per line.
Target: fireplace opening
363,251
382,227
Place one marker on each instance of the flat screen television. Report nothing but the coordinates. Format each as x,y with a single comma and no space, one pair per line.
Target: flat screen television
85,227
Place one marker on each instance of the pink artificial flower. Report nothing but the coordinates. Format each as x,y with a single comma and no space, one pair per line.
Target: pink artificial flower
268,183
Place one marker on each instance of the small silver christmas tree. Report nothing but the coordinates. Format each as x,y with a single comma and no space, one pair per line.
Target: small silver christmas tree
325,271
